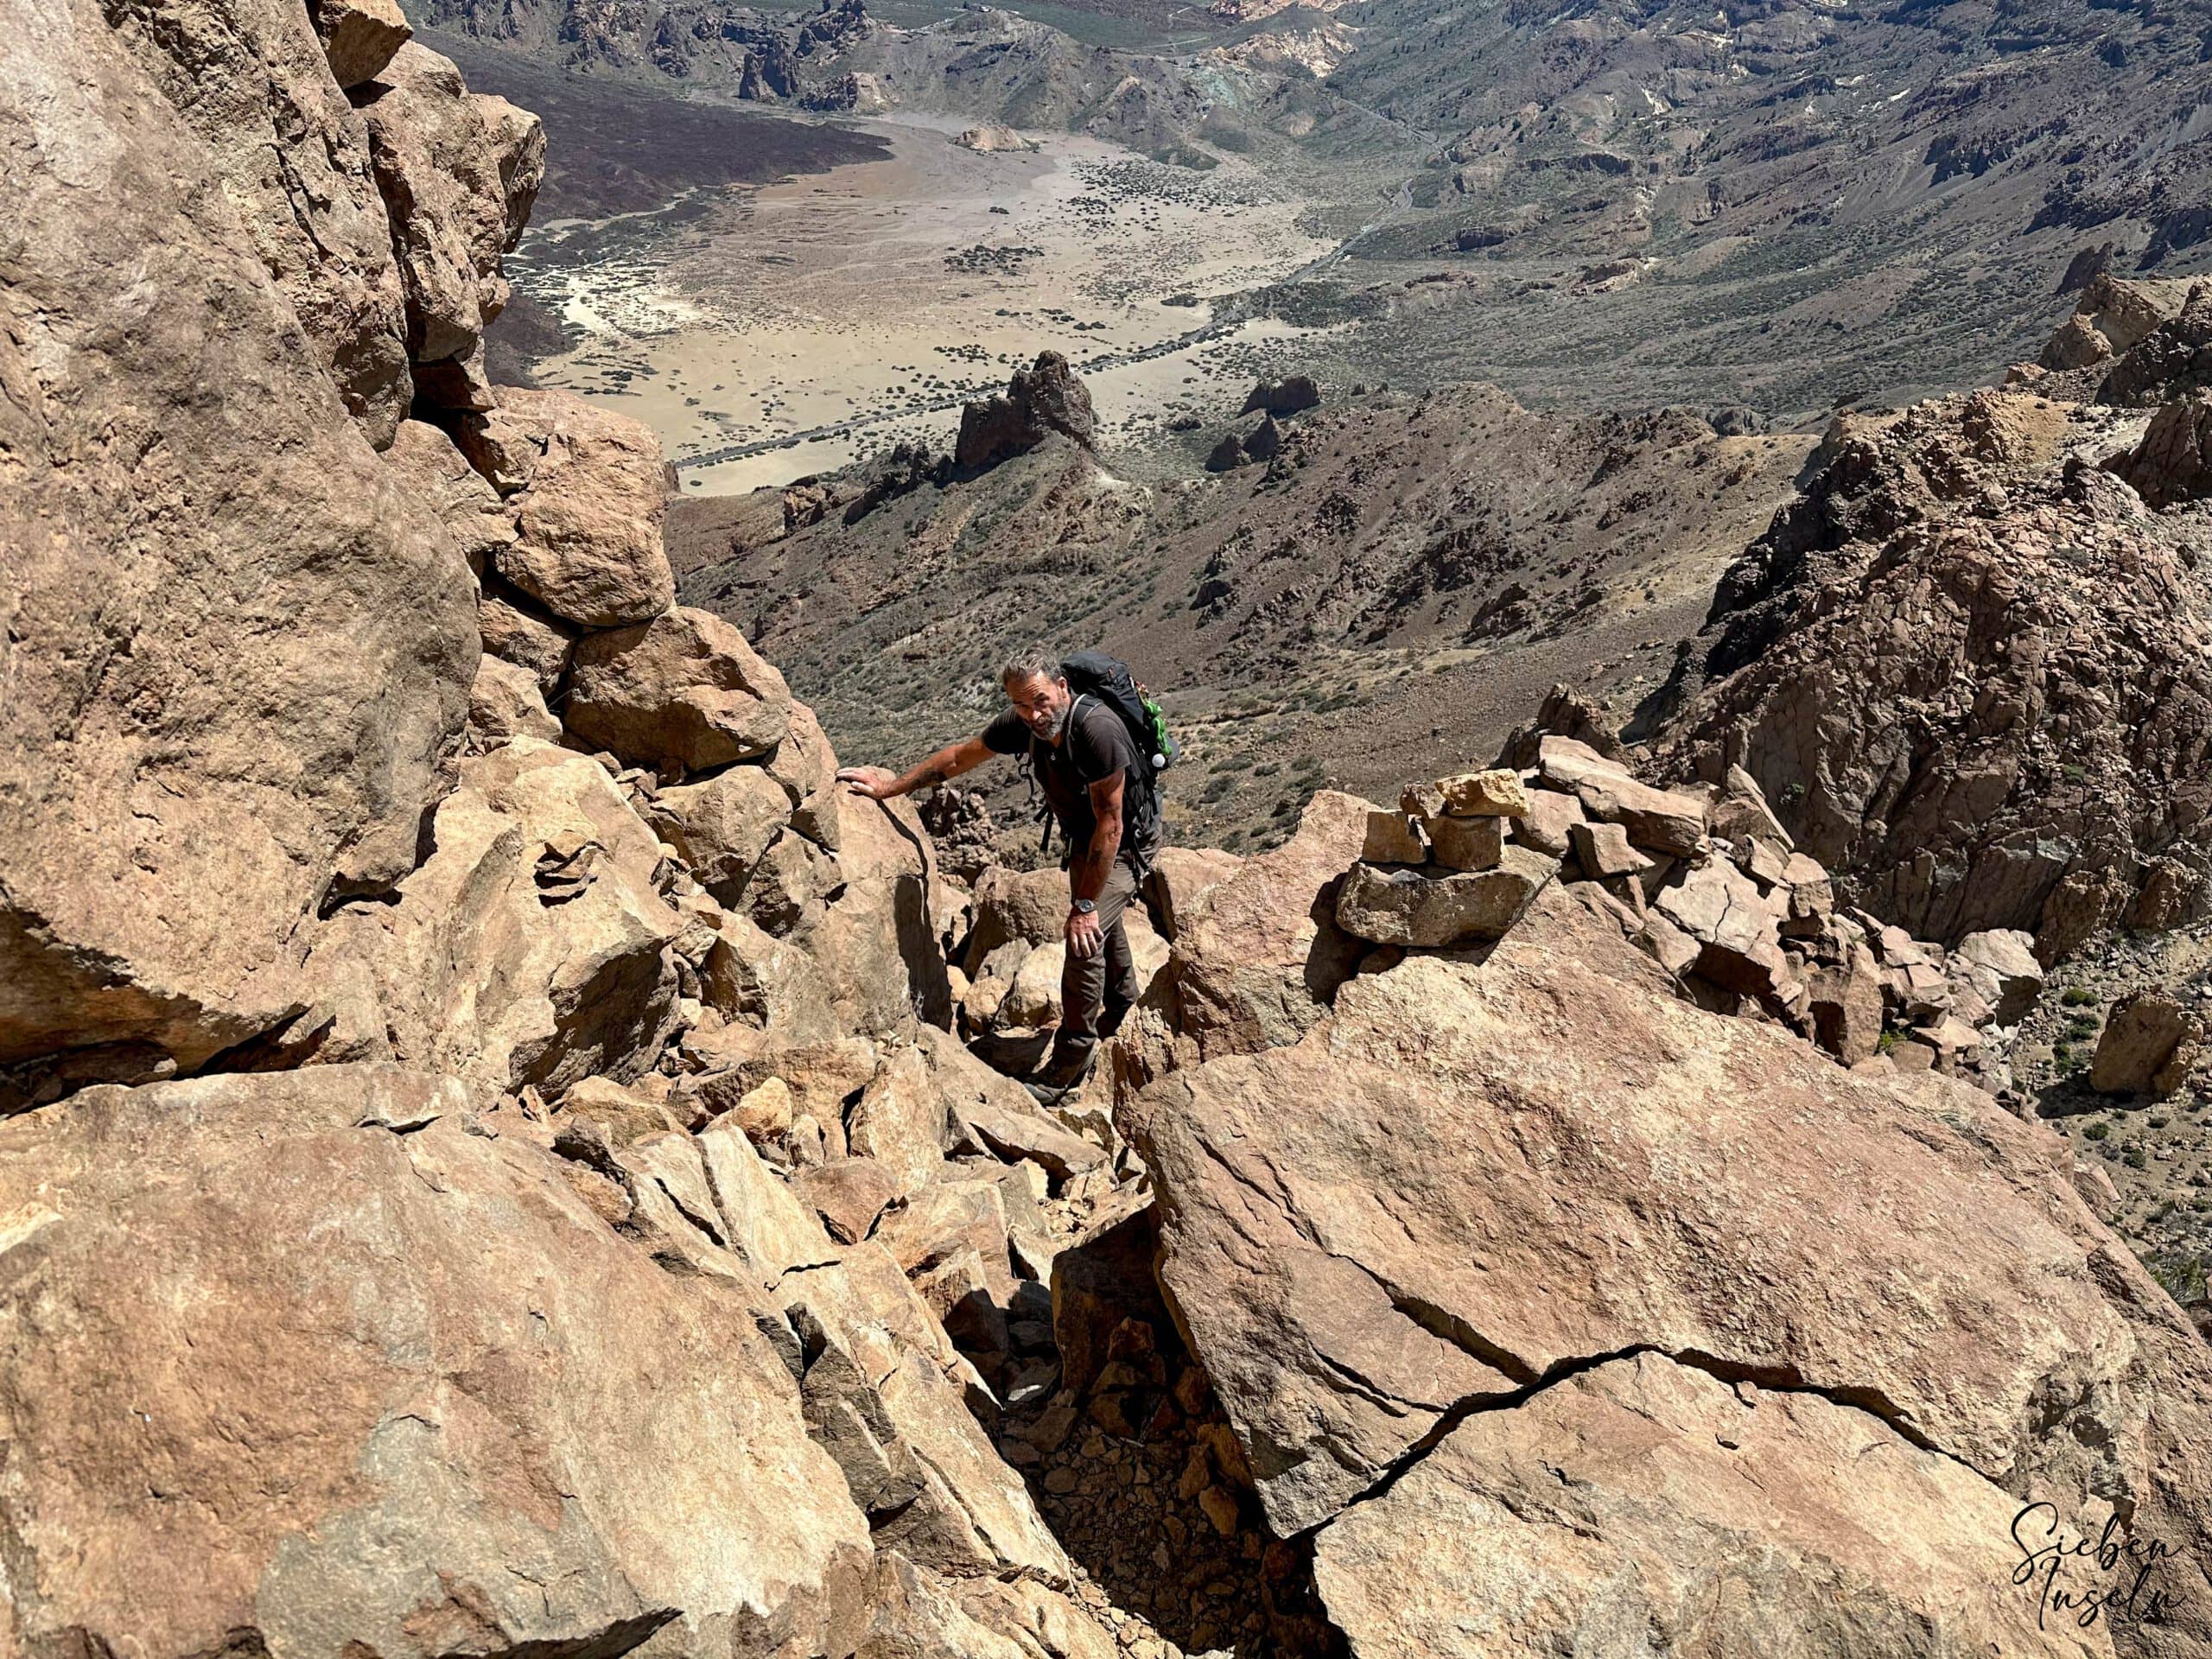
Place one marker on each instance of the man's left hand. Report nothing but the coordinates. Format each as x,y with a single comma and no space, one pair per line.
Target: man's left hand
1084,933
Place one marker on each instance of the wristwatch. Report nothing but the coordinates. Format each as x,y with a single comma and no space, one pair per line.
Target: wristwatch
1086,906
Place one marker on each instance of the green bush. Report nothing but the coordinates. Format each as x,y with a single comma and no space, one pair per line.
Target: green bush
2133,1157
2096,1131
2079,996
2180,1274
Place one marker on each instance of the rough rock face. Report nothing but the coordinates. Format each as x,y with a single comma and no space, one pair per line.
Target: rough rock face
1045,398
588,1234
531,949
1972,679
251,82
1420,1253
1626,1497
237,650
358,37
424,1430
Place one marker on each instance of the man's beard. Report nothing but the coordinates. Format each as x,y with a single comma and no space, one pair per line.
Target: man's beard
1054,723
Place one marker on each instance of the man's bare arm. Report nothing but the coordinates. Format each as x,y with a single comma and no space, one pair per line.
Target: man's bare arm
1087,876
878,782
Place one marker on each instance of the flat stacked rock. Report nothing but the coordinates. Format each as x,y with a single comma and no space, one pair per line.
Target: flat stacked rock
1706,882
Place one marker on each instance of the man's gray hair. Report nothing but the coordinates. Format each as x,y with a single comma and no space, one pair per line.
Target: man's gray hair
1038,659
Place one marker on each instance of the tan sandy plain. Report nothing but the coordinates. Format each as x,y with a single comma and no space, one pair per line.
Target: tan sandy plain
828,299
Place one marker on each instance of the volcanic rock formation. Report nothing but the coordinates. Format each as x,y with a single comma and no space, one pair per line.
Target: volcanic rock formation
1045,398
1968,664
492,1166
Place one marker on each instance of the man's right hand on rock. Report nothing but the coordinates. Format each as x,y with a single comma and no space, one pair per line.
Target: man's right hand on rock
871,781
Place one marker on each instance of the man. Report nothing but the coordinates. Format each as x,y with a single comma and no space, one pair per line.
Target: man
1082,759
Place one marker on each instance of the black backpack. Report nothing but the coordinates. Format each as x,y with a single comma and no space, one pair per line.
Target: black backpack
1108,679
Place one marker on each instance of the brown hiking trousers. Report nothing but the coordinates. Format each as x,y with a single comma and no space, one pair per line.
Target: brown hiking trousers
1096,990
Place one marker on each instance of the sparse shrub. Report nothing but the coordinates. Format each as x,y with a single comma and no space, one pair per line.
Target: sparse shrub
2096,1131
2179,1273
2079,996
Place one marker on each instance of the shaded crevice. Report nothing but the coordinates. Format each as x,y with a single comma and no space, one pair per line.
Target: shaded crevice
1447,1326
712,1227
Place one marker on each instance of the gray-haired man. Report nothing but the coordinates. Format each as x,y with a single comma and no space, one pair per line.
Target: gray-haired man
1082,757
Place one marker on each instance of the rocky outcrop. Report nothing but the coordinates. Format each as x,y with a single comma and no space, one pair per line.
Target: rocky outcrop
2113,316
1969,673
1703,881
1290,395
237,651
1451,1283
1043,398
460,171
2173,463
358,37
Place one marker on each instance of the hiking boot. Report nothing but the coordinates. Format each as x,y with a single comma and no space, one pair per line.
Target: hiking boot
1058,1080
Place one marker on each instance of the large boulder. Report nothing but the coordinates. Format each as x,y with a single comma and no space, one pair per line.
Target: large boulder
2000,965
1428,907
2150,1041
236,650
391,1387
1027,906
588,489
1260,953
684,689
1476,1182
359,37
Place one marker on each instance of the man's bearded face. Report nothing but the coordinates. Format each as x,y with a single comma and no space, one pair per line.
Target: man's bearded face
1042,702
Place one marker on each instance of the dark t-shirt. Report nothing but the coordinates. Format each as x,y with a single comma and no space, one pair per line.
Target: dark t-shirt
1095,746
